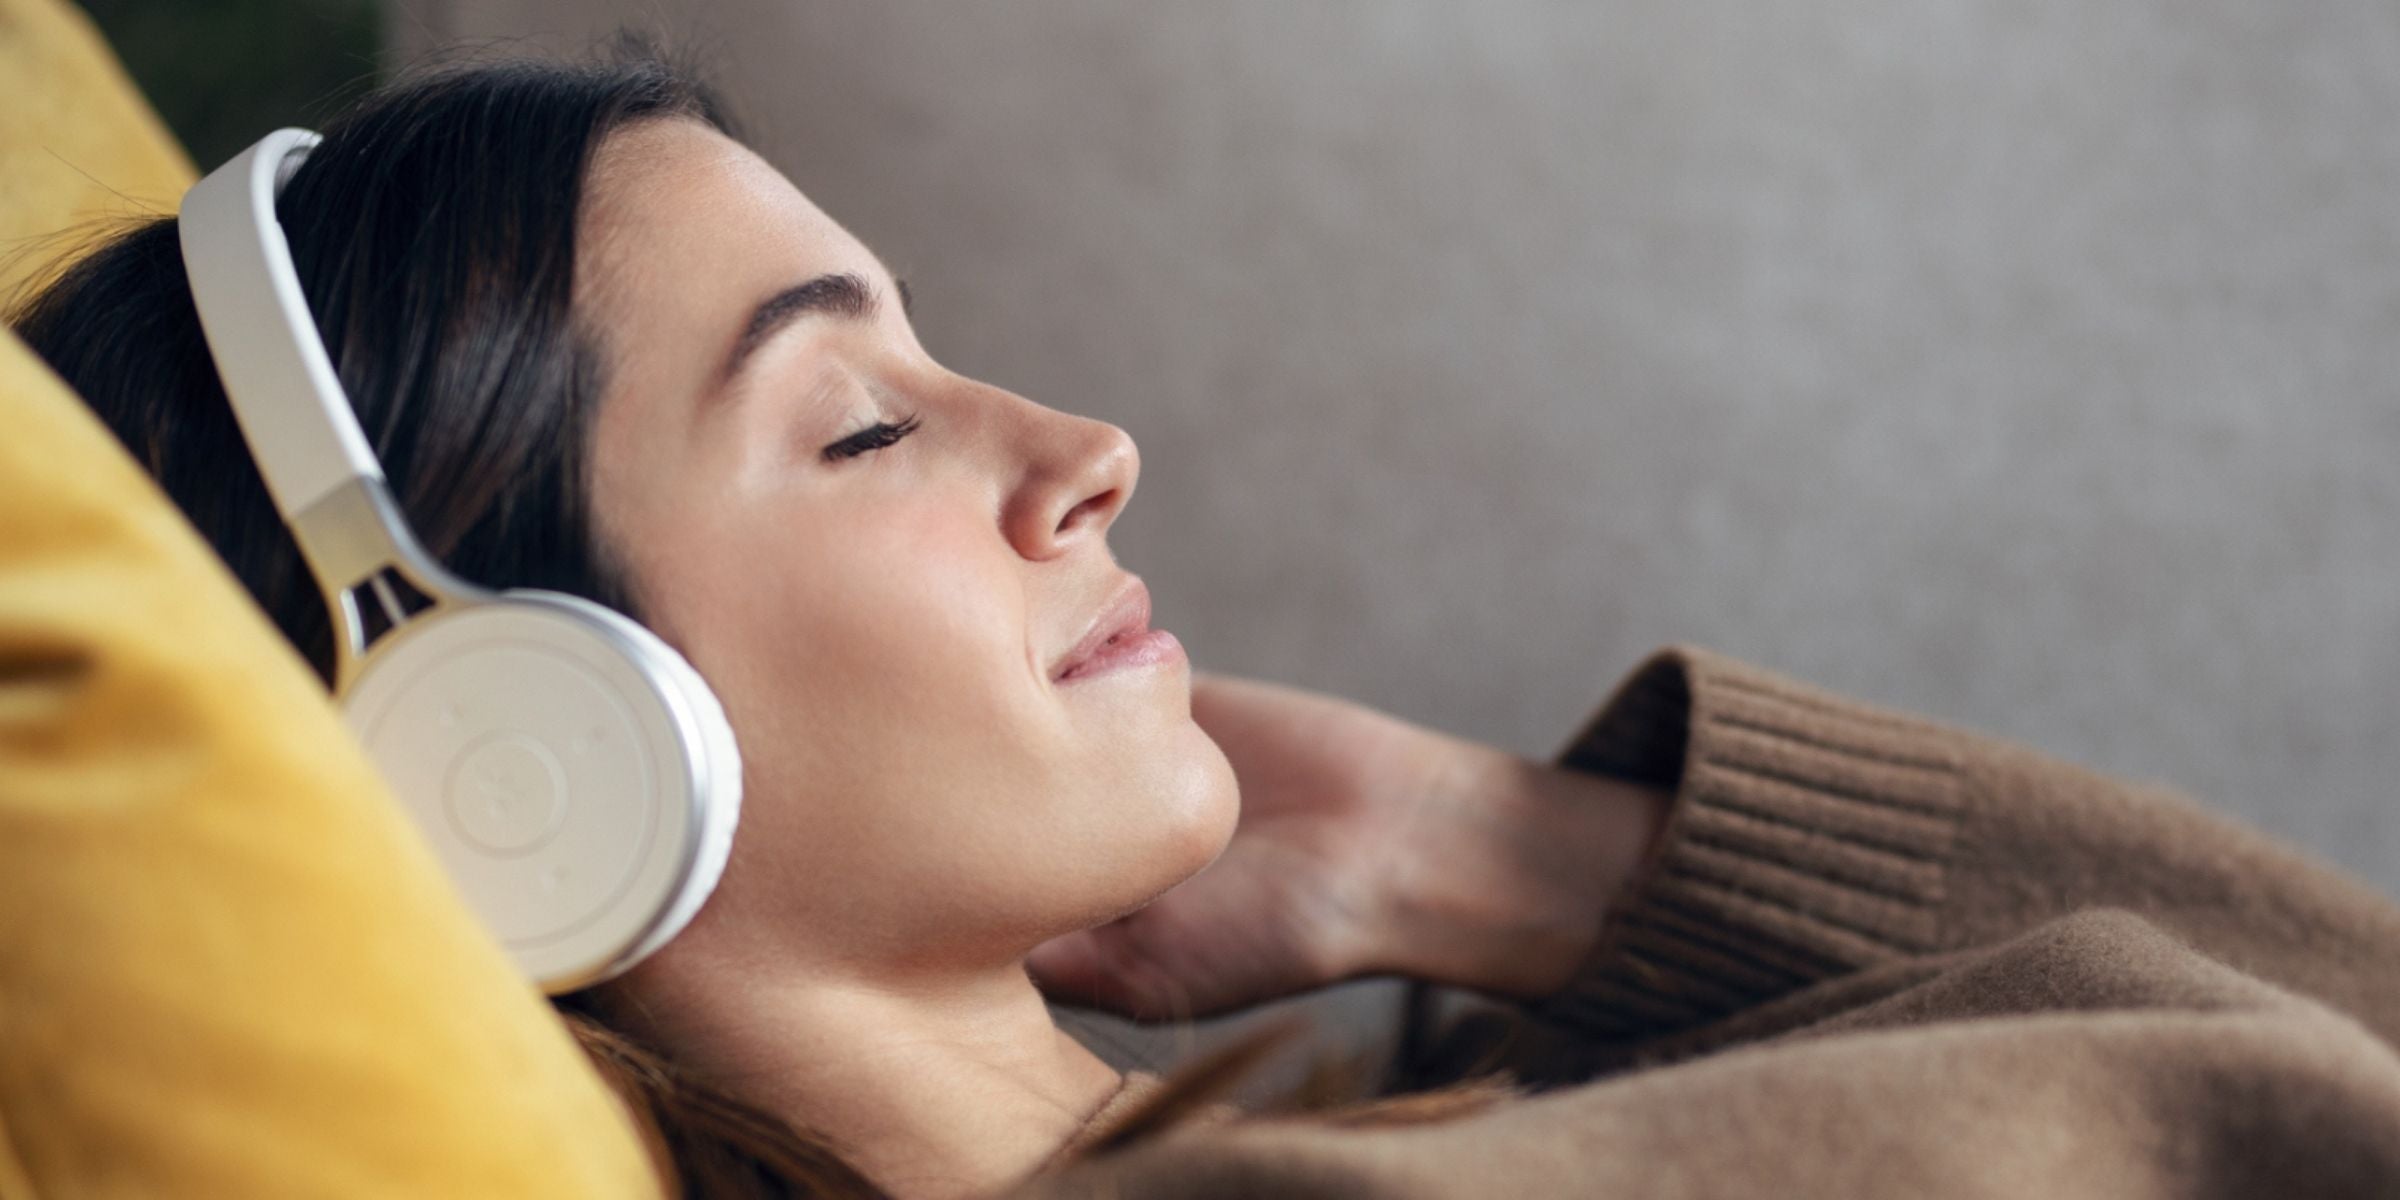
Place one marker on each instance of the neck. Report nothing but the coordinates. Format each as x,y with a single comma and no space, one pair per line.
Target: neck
934,1085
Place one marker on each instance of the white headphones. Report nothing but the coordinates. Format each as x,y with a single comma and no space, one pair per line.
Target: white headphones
572,772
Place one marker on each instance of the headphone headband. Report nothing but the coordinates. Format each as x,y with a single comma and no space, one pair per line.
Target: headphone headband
302,433
284,392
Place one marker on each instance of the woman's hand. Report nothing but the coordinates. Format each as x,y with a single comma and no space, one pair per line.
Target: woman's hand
1366,845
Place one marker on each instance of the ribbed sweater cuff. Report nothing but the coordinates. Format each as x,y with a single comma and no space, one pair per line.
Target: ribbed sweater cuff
1807,839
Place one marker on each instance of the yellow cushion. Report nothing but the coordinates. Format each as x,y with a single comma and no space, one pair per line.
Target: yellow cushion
76,138
228,965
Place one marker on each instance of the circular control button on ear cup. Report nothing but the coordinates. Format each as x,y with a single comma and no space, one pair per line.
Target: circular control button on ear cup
507,794
557,772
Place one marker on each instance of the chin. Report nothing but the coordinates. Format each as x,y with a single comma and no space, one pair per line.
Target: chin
1188,808
1211,808
1196,805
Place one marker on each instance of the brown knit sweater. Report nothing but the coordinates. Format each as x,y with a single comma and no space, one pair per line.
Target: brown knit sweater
1878,956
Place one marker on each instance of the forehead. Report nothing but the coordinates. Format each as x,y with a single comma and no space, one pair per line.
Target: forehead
684,229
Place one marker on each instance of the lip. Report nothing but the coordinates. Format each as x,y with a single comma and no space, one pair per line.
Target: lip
1120,636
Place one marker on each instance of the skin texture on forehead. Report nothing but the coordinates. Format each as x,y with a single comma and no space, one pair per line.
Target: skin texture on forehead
669,203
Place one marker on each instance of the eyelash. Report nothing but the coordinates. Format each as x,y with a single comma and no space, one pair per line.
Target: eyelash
873,437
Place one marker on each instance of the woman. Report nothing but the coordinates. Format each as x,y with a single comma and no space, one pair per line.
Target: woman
603,348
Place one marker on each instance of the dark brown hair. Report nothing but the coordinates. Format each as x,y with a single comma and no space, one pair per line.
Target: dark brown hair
434,230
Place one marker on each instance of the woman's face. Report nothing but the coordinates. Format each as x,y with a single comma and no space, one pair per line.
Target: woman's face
881,628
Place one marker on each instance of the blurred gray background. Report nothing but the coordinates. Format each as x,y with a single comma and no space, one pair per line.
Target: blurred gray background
2034,365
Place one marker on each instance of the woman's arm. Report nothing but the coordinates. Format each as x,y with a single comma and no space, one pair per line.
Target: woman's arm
1810,836
1510,899
2094,1056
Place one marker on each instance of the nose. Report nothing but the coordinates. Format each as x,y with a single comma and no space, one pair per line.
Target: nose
1079,472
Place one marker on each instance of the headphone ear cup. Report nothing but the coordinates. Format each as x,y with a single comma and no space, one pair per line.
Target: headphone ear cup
719,800
576,778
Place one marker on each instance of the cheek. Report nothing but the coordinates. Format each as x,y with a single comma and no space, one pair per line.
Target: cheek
895,730
864,654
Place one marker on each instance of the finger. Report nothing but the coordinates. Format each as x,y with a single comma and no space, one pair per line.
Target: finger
1215,678
1065,968
1213,690
1107,968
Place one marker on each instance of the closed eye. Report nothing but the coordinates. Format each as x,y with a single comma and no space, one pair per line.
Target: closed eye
873,437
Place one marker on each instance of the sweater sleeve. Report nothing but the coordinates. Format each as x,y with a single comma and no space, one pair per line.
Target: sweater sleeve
1812,836
2093,1056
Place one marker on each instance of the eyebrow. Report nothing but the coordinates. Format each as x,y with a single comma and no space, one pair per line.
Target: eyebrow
845,295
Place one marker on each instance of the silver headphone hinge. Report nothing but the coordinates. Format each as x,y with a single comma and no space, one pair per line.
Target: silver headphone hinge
356,539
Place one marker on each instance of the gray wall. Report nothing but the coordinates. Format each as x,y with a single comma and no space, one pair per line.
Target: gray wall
2031,364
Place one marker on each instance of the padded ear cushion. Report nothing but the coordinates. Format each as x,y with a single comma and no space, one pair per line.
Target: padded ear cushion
574,775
